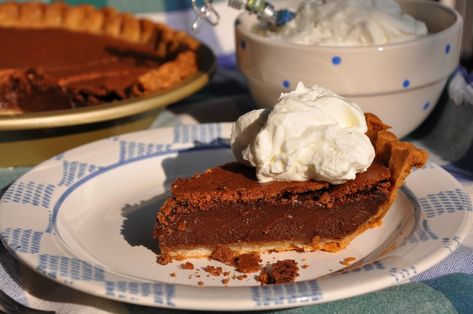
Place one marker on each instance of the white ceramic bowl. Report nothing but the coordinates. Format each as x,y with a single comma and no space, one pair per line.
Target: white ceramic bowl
400,82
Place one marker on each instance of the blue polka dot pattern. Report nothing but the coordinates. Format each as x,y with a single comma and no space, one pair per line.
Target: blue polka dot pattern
447,49
406,83
286,84
426,105
243,44
336,60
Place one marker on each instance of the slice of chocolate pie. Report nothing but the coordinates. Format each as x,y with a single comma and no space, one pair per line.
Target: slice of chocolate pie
58,56
227,206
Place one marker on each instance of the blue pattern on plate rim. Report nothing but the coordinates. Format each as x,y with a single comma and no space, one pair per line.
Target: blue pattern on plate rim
422,233
402,274
74,170
205,137
375,265
163,294
70,270
451,244
31,193
445,201
300,292
23,240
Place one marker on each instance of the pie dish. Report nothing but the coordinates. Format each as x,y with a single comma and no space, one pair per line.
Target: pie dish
84,56
227,206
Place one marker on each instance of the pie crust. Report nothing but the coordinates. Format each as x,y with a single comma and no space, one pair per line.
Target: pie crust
163,40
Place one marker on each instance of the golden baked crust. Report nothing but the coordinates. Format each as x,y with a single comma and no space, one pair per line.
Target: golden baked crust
107,21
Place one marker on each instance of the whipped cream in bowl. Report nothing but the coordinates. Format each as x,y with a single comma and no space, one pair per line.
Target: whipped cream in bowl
310,134
348,23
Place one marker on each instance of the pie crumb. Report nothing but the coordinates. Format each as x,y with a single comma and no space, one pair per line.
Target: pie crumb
214,271
248,263
285,271
347,260
187,265
163,259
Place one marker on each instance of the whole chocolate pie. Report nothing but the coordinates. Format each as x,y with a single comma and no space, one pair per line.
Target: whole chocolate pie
58,56
226,206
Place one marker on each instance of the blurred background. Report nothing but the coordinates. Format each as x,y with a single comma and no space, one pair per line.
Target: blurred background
440,132
223,43
465,8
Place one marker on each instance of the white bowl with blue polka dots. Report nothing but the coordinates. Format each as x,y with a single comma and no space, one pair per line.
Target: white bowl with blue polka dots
399,82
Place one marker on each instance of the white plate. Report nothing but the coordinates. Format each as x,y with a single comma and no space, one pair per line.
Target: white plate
85,218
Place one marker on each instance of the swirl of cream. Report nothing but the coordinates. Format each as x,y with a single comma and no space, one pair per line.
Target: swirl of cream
310,134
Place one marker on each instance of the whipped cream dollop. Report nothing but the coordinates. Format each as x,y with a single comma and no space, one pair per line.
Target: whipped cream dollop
311,133
350,23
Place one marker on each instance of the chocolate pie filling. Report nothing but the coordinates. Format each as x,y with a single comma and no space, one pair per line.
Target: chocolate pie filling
226,205
47,69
